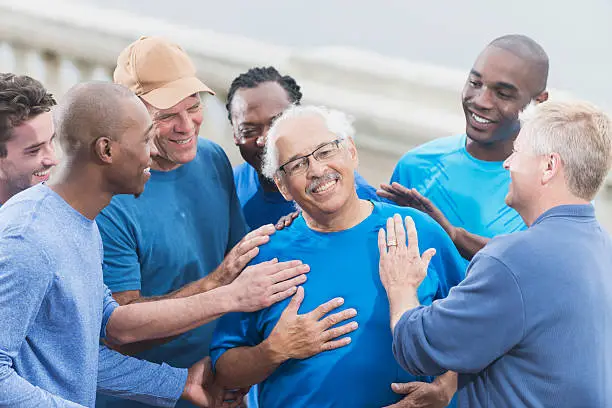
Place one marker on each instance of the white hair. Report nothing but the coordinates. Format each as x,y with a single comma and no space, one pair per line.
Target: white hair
337,122
580,133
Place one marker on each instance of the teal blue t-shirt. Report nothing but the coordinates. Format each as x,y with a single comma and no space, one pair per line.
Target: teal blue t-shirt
470,192
176,232
342,264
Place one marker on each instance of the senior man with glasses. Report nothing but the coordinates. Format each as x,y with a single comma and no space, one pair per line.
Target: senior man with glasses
311,156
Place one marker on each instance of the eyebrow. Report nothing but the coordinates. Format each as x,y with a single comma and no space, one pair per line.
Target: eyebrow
299,155
37,145
270,120
505,85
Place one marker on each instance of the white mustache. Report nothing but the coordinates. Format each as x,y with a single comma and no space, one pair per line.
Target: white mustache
322,180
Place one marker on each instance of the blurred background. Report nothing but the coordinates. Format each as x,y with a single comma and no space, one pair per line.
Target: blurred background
397,66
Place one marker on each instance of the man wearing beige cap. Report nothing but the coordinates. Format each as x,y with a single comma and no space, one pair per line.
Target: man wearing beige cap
176,238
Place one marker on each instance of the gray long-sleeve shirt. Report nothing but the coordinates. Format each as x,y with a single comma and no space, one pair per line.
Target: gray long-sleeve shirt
54,308
531,325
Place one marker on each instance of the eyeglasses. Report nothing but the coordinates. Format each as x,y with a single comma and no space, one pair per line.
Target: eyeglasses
300,165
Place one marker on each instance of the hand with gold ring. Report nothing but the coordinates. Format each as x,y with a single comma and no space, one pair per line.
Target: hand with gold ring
391,237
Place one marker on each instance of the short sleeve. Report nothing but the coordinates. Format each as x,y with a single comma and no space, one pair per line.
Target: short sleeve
121,264
234,330
399,174
108,307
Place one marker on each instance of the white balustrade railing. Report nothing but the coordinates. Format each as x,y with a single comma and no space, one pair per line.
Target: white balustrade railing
396,104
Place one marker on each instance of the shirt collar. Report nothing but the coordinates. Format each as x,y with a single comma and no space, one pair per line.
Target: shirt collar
568,210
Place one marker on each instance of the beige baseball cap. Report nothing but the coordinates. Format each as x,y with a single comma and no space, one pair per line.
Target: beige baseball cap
158,71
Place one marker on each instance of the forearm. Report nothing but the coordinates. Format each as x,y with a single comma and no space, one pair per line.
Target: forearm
467,243
17,392
243,367
400,301
139,380
448,383
167,317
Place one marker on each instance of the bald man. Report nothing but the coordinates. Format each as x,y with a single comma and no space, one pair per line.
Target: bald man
54,306
460,180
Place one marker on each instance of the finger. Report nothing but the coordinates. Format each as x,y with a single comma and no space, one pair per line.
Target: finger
427,255
277,297
290,273
391,239
246,245
422,200
336,332
382,242
400,189
405,388
336,318
387,195
386,187
332,345
288,284
413,239
326,307
264,230
295,214
400,232
296,300
243,260
281,266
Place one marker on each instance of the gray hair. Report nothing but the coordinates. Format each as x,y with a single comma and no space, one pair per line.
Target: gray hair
337,122
580,133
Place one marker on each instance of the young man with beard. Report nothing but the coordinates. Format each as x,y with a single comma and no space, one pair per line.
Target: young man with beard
254,100
531,324
460,180
312,158
26,134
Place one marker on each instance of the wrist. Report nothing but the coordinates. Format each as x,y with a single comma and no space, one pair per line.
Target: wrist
274,352
400,302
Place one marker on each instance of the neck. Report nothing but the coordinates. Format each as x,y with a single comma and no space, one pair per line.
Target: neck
82,188
493,152
267,185
351,214
546,203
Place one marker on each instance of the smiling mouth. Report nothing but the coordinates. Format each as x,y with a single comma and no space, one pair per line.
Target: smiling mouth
480,119
183,141
42,173
325,186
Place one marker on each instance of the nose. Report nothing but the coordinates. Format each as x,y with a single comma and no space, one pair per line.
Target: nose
50,158
184,124
483,98
315,168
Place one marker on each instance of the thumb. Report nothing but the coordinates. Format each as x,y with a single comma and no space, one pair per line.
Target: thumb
404,388
296,301
427,255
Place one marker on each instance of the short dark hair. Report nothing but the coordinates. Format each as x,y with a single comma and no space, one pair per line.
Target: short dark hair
21,98
256,76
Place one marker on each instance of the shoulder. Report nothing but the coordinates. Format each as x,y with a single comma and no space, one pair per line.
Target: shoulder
211,150
421,220
119,213
512,250
435,148
282,243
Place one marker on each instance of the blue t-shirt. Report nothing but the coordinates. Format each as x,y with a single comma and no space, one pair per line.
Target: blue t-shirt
342,264
54,308
531,325
469,192
176,232
267,207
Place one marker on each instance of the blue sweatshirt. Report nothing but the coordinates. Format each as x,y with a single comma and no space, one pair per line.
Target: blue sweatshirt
54,308
531,325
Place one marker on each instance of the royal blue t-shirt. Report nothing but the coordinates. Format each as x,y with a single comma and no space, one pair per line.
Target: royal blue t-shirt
267,207
176,232
342,264
469,192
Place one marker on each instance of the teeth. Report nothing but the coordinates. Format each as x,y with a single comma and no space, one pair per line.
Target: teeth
325,186
147,170
42,173
182,142
480,119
